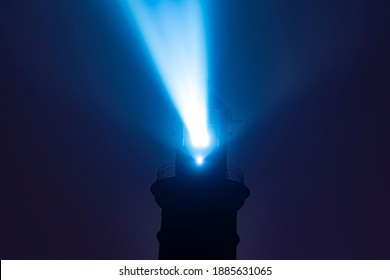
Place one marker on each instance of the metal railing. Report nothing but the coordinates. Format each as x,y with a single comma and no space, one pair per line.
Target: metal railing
167,170
233,173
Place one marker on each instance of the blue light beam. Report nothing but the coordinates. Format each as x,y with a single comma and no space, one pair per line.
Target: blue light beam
173,32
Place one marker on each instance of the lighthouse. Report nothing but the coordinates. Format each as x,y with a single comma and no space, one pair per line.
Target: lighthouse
199,195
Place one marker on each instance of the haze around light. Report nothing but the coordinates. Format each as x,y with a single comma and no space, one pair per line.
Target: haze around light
173,33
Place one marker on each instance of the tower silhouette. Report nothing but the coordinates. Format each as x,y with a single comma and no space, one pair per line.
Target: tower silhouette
199,202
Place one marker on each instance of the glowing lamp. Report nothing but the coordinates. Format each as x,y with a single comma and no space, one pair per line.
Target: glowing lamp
199,160
201,140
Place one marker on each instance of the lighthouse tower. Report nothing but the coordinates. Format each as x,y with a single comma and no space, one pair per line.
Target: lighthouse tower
200,196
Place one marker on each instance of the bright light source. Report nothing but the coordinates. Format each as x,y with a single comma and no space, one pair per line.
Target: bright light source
199,160
174,35
200,140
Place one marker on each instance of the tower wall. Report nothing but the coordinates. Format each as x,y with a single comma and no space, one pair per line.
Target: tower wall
198,217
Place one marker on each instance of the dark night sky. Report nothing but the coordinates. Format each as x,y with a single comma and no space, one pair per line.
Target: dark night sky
85,124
